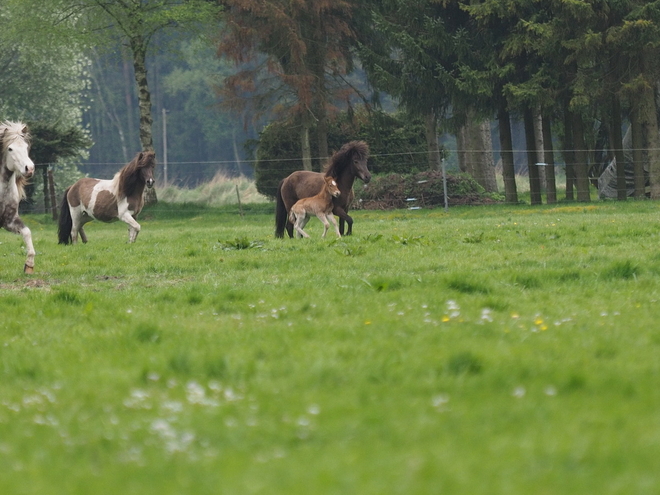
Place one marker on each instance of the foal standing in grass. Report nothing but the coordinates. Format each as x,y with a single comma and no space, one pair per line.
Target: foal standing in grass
107,200
320,205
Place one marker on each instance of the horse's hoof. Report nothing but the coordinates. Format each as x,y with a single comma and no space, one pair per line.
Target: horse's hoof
28,269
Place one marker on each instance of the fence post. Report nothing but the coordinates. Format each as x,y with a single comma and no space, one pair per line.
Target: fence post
240,207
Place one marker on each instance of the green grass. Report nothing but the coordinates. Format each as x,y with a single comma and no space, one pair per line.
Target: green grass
500,349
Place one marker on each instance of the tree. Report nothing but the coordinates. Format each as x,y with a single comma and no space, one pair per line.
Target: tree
424,54
134,23
129,23
292,57
40,80
51,142
637,38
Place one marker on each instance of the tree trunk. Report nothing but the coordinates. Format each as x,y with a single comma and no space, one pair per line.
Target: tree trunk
580,152
549,157
431,132
138,46
128,98
305,145
616,145
530,144
569,153
506,152
538,143
638,152
478,152
649,123
51,193
44,176
317,54
485,162
144,96
461,147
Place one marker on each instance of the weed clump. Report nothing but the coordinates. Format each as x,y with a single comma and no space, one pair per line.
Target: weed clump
464,363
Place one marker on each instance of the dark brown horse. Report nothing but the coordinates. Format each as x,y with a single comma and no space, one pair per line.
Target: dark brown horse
107,200
344,166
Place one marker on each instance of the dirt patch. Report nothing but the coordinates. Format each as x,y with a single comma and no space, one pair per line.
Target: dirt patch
35,283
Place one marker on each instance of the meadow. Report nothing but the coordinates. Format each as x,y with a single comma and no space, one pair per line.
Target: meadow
499,350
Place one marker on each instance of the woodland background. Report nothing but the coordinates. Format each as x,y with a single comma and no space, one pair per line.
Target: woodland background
259,89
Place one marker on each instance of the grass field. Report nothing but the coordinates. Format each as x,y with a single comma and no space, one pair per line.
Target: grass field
494,350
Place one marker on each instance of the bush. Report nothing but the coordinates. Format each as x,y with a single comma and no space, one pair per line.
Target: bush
397,143
394,190
278,155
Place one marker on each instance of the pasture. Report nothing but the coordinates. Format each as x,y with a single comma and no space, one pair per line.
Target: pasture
508,350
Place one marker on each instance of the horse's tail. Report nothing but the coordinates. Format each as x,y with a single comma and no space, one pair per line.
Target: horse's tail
280,212
66,222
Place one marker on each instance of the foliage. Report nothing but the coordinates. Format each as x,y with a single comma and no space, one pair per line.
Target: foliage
289,55
197,127
424,189
54,144
41,81
50,142
170,366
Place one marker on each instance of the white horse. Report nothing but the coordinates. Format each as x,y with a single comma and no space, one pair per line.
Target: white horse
16,168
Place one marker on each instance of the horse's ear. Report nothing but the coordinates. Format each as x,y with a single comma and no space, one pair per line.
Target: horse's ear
25,130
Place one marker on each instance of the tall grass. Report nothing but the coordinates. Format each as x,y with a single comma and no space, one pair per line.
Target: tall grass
219,191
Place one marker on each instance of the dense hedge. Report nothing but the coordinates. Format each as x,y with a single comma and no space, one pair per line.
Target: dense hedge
397,143
423,189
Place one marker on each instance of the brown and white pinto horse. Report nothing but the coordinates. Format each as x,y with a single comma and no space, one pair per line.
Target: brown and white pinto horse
15,169
107,200
344,166
319,205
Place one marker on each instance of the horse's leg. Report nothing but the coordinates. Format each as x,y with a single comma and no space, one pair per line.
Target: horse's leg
29,260
17,226
133,226
343,217
83,236
321,216
76,226
331,217
289,228
301,221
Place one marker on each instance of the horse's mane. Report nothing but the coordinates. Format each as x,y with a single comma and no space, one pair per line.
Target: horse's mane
10,132
342,158
128,178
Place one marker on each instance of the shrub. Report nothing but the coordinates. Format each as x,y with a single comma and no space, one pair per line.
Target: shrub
394,190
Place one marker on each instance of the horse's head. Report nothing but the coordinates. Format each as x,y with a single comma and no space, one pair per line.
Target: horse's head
331,187
147,161
359,159
15,141
350,160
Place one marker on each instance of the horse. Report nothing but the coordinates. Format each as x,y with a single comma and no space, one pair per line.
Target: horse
320,205
344,166
107,200
15,170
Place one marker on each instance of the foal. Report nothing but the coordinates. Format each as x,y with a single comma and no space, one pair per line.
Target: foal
319,205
